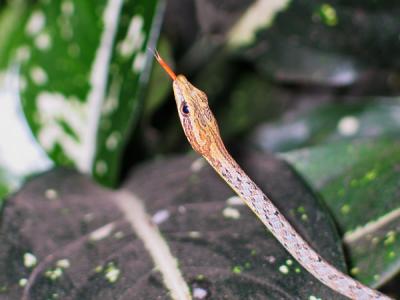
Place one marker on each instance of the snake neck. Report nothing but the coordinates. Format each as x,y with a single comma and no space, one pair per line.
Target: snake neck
223,163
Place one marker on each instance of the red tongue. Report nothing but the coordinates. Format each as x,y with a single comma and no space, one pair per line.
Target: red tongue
164,65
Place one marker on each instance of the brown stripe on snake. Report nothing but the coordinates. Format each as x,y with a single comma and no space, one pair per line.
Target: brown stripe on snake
202,132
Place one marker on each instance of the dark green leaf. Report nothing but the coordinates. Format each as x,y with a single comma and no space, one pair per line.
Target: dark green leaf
61,235
251,101
328,43
359,182
329,123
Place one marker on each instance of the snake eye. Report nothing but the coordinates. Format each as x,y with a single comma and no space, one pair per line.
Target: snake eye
185,108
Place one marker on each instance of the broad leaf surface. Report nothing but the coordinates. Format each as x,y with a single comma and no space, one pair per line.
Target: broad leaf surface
62,236
82,67
359,182
331,43
329,123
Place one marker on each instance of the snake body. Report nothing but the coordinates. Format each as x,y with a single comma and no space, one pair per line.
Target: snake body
202,132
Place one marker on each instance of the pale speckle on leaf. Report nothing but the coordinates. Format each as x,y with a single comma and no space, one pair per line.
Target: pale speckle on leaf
134,38
271,259
197,165
119,235
54,274
22,282
63,263
51,194
284,269
181,209
304,217
371,175
43,41
231,213
35,23
199,293
38,75
67,8
112,273
237,269
328,13
345,209
23,53
113,140
390,238
160,216
89,217
30,260
354,271
139,62
102,232
101,167
98,269
194,234
235,201
348,125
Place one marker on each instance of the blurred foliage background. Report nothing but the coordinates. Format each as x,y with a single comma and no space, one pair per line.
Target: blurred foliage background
315,82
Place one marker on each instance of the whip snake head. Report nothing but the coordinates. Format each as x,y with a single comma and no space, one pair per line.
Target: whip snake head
197,120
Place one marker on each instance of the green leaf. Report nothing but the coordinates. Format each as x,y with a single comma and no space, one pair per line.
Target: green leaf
290,62
259,99
359,182
307,44
329,123
12,17
129,76
83,67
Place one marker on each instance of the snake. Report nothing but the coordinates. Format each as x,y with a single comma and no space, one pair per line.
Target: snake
202,131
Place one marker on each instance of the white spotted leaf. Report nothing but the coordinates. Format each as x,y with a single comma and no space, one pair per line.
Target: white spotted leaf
83,66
